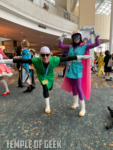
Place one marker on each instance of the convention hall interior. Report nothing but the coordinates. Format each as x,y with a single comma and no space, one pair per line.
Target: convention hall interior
23,117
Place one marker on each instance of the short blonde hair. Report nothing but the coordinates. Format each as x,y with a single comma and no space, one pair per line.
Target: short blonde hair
25,43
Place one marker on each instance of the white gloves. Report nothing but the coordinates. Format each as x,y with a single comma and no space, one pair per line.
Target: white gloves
80,57
94,33
61,38
6,61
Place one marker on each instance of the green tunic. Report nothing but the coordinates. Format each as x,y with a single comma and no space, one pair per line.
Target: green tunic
41,70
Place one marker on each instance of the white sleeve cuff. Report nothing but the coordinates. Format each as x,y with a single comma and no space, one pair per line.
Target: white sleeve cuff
6,61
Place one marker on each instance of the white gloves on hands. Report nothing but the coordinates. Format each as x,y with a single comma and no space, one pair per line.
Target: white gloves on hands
61,38
95,33
6,61
80,57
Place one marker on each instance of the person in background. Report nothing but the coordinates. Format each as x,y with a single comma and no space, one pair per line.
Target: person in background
86,41
65,63
26,54
100,62
107,69
19,53
4,71
93,69
95,65
31,69
64,70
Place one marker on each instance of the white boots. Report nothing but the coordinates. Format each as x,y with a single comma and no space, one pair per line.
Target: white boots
83,111
76,104
47,109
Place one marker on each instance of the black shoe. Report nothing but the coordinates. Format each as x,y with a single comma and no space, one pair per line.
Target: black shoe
111,111
108,80
32,87
28,89
109,127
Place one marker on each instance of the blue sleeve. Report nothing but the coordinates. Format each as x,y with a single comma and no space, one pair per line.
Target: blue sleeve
24,55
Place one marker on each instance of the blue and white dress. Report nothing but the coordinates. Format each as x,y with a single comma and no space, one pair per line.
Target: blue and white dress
74,69
26,54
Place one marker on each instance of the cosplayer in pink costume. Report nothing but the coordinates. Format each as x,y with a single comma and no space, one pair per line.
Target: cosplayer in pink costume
80,84
4,71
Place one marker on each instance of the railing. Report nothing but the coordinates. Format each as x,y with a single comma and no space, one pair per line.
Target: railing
56,10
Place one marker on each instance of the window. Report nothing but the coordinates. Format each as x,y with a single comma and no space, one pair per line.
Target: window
104,8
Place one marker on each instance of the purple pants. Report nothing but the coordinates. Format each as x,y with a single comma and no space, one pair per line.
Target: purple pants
77,87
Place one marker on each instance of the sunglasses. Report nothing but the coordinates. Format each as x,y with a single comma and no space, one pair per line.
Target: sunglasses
43,55
76,37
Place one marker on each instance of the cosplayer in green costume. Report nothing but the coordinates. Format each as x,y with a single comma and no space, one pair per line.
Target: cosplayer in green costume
44,66
41,70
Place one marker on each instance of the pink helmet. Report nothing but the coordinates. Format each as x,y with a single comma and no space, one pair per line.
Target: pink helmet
76,32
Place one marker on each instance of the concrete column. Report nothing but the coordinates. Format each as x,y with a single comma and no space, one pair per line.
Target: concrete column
73,5
111,30
86,13
68,5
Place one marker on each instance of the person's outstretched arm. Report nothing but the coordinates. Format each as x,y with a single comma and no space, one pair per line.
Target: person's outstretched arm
97,42
22,61
80,57
61,38
66,47
11,61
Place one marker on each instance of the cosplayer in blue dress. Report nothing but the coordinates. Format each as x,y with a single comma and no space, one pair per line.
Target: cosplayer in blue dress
26,54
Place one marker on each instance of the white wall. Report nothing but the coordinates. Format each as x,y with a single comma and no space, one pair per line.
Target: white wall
39,2
102,25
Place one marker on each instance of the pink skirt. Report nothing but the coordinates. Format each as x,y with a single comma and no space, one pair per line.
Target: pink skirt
5,71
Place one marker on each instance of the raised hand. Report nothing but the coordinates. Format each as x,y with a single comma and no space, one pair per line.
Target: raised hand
95,33
61,38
